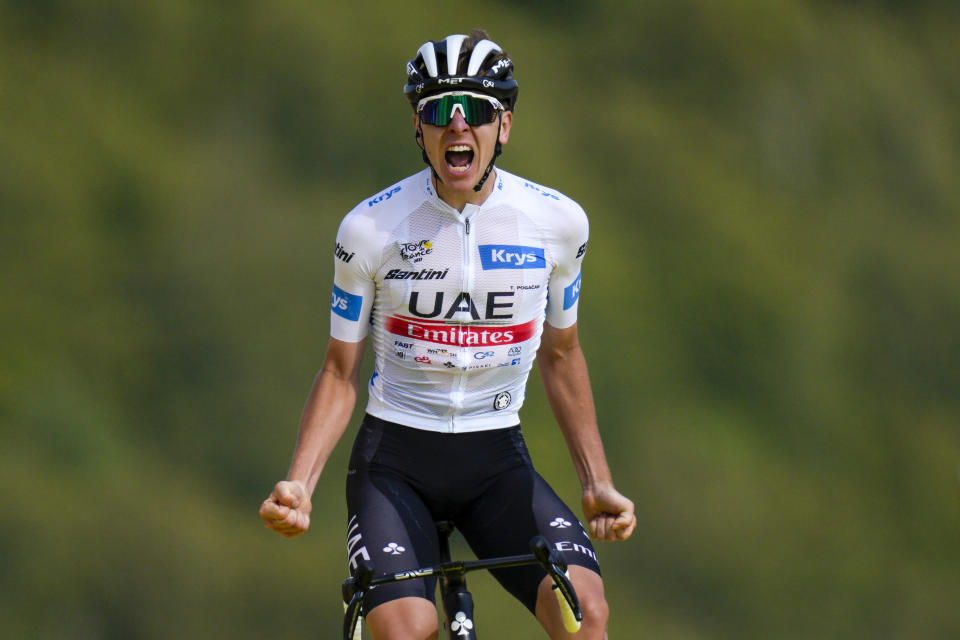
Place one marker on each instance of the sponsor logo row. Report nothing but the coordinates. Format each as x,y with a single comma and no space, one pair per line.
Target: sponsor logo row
492,256
498,305
452,359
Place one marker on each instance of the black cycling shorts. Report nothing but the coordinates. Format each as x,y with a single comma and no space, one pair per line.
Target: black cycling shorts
402,480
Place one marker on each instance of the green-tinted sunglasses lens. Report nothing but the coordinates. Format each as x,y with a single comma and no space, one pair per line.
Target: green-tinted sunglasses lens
476,111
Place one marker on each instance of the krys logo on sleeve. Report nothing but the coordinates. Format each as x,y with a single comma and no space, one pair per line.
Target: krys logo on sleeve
572,293
346,305
511,256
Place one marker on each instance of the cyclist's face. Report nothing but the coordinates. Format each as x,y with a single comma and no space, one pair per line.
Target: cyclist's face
460,153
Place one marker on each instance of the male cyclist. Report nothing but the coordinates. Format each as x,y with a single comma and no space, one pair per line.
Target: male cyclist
460,276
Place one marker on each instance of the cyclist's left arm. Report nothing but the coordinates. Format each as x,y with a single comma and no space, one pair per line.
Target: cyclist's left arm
609,514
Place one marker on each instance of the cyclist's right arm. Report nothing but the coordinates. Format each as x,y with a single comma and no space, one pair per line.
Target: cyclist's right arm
324,420
334,394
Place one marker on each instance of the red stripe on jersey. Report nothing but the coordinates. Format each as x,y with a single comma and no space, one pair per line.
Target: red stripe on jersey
462,335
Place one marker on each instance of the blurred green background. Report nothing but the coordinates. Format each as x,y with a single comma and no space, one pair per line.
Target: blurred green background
771,308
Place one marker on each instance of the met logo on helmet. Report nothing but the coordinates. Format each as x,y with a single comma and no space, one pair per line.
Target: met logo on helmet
510,256
500,65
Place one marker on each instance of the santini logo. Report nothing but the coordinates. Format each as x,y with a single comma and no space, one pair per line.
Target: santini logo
509,256
341,253
423,274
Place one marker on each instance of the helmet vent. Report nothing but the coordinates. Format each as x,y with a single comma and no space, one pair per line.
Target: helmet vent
480,52
453,52
429,58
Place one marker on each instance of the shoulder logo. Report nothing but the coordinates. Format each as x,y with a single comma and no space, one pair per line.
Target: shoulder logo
415,251
386,195
582,250
542,192
341,253
346,305
572,293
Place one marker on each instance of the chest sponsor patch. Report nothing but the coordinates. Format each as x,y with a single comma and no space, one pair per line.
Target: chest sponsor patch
511,256
346,305
460,335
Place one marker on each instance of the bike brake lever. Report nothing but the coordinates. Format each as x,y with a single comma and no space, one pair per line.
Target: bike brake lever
554,564
354,590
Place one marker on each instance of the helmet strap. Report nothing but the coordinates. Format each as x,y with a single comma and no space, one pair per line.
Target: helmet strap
496,152
418,136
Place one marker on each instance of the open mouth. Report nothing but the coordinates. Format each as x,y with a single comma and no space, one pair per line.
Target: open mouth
459,158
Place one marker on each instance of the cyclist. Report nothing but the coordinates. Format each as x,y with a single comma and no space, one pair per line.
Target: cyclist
460,276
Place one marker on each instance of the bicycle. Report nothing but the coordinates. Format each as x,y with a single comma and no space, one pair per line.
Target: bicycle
456,599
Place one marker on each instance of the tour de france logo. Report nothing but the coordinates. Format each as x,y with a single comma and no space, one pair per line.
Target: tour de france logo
415,251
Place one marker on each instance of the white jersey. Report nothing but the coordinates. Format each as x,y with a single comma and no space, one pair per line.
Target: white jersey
456,301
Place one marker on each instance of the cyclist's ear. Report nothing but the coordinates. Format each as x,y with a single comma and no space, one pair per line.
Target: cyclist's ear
418,131
506,122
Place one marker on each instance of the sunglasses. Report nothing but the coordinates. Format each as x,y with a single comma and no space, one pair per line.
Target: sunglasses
476,108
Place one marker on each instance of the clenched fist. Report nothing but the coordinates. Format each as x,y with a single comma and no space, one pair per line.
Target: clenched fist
287,510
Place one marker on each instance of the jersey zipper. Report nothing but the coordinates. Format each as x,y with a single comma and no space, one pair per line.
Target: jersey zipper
467,283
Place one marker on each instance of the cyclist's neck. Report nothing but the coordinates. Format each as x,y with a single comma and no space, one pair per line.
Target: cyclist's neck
459,198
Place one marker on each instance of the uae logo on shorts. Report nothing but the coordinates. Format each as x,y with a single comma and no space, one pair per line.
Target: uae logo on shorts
502,400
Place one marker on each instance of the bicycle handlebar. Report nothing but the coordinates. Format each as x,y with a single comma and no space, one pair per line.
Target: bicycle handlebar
355,588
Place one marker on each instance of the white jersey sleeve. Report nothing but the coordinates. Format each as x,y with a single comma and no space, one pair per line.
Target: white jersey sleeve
570,231
356,258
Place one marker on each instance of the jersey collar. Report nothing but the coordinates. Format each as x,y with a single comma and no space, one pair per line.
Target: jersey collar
495,197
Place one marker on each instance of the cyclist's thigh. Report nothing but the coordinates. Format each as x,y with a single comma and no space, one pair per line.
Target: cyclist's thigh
517,506
413,617
389,525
